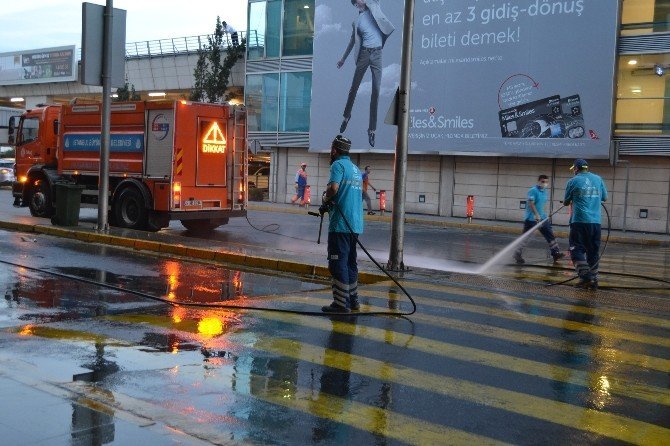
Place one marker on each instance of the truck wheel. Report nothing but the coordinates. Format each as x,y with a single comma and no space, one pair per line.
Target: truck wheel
206,225
39,200
129,209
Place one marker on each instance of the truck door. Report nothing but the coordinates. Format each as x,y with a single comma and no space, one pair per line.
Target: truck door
160,141
212,150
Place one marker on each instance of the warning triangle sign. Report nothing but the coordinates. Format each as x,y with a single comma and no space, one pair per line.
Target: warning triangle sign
214,135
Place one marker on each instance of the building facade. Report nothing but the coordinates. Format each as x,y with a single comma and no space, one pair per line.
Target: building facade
278,96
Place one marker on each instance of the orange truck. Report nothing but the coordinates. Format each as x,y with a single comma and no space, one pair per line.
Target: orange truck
169,160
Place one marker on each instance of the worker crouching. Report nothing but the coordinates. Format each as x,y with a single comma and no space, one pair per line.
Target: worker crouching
343,202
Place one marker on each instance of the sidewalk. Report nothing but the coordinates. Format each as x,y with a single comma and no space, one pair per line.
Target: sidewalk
634,238
228,249
50,414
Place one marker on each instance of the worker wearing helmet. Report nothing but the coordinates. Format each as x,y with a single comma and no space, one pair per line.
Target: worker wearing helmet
585,192
300,184
343,201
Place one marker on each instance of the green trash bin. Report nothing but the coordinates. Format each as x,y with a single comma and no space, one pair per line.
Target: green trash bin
68,202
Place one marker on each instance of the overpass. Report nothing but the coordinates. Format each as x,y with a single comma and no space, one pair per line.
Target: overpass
154,66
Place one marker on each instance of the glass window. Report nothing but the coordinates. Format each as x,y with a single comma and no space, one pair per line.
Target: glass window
298,27
273,33
645,16
264,29
29,129
294,102
262,98
643,94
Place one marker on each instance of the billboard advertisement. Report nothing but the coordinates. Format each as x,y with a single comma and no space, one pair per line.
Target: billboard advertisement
38,66
517,78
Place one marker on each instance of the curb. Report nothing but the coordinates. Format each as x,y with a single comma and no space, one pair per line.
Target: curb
200,254
472,226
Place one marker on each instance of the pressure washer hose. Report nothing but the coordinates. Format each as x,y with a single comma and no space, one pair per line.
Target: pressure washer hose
239,307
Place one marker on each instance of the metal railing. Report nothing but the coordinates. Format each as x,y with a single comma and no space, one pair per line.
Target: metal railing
173,46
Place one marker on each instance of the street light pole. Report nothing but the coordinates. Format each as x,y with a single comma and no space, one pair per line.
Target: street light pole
396,262
103,181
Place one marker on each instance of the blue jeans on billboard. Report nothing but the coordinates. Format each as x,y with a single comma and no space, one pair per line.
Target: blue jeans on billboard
343,268
585,249
367,58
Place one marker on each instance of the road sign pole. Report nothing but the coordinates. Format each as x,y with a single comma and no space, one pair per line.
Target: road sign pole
103,182
396,262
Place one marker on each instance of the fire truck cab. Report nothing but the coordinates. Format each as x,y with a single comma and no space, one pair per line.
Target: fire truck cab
169,160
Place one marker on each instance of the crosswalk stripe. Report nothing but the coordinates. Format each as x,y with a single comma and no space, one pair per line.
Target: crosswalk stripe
606,280
601,331
376,420
585,419
618,386
601,423
518,337
603,313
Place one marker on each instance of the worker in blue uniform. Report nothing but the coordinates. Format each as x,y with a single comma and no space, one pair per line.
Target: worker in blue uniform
535,212
585,192
343,201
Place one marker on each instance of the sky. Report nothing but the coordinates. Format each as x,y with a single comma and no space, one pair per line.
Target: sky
34,24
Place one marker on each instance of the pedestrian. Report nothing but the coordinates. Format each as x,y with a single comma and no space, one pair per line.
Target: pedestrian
300,185
585,192
535,213
366,183
369,33
343,202
232,32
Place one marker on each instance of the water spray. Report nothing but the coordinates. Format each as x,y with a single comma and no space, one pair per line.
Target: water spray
512,246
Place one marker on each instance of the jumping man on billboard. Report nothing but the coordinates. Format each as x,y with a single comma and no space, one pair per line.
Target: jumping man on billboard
369,33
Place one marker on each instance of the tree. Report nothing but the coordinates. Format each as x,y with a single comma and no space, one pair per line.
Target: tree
127,93
212,71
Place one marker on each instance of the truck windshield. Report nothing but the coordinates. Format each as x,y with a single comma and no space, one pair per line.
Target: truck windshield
28,130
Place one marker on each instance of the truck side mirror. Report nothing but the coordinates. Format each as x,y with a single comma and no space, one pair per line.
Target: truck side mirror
10,130
56,126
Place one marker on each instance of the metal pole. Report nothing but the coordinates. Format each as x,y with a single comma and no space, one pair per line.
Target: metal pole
103,181
625,193
396,262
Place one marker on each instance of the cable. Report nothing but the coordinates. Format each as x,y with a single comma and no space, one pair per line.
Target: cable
381,268
610,273
272,231
358,242
195,304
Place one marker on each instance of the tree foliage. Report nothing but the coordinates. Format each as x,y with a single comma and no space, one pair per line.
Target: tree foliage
213,68
126,93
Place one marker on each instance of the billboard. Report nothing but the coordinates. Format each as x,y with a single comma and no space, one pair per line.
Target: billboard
517,78
38,66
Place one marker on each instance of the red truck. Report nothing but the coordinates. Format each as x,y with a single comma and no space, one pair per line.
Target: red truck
169,160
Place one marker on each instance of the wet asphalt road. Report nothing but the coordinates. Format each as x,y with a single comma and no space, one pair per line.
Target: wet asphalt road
486,360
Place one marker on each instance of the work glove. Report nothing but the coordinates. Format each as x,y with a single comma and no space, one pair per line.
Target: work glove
325,207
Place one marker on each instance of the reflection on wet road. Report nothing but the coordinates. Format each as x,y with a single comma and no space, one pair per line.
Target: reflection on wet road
484,361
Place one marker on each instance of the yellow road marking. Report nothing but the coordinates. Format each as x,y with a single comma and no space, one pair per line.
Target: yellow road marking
544,320
482,357
603,313
371,419
518,337
585,419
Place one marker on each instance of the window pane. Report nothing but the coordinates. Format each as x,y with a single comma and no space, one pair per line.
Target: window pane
29,130
256,31
261,100
295,99
645,16
643,94
273,29
298,27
